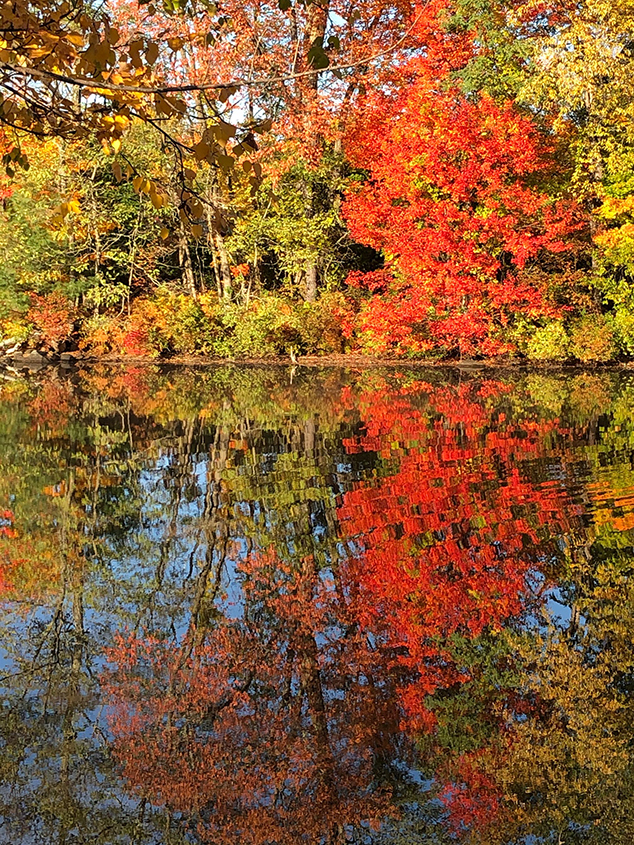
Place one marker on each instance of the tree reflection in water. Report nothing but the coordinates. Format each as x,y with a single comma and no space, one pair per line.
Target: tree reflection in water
372,607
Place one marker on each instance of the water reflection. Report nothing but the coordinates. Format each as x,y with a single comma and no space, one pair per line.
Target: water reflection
377,607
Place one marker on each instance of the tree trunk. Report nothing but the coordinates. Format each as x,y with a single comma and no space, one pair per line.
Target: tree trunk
310,293
185,260
317,21
317,15
226,286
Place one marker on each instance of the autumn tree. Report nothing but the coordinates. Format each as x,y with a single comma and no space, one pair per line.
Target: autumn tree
453,203
284,51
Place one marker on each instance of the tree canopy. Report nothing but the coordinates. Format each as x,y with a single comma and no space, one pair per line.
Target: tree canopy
444,178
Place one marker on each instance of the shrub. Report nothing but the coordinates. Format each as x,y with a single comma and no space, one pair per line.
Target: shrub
592,339
136,342
14,329
327,324
549,343
101,334
266,327
623,323
272,325
169,322
53,316
172,322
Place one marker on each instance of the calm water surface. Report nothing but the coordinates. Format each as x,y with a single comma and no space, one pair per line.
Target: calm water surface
262,606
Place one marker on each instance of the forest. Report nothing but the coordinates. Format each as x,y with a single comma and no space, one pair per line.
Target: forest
442,179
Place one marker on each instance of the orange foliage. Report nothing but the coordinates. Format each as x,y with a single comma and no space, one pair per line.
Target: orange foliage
263,727
258,40
53,316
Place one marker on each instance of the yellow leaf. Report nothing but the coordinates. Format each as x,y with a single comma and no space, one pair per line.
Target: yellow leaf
165,233
264,126
225,93
179,105
116,144
76,38
225,162
224,131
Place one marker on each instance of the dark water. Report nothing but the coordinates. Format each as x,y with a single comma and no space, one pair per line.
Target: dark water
258,606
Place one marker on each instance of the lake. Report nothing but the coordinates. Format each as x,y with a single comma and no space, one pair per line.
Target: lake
265,605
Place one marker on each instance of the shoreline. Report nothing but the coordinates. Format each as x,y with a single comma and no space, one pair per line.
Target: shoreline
37,361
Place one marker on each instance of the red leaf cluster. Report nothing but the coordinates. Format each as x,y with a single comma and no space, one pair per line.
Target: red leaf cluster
453,202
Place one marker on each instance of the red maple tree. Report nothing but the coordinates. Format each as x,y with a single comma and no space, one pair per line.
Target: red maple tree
453,201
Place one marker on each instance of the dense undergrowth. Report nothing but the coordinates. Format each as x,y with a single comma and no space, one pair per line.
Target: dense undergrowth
171,323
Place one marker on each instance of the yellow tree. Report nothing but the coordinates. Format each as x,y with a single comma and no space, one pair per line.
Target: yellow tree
582,72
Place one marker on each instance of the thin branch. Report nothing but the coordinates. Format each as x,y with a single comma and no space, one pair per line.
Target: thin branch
87,82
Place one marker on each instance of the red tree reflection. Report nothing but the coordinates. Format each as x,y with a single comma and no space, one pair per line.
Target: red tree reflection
454,534
281,722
